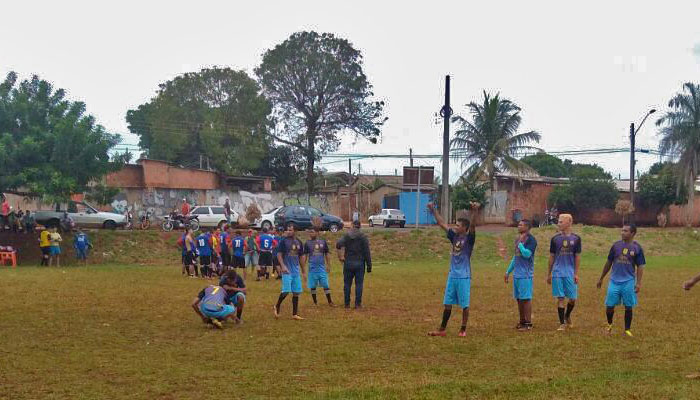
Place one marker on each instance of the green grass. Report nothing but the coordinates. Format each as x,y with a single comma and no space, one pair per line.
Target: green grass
127,331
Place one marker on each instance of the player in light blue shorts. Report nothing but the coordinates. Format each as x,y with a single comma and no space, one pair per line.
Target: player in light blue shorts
626,258
458,287
564,263
213,305
522,266
235,290
317,257
289,254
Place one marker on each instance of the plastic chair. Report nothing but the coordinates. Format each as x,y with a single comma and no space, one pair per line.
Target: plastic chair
9,256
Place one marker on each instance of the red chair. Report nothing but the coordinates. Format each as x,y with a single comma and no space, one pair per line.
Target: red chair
9,256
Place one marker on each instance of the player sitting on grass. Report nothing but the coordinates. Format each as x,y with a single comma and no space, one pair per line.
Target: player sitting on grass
627,260
458,288
213,305
81,244
292,268
317,257
523,265
236,291
564,263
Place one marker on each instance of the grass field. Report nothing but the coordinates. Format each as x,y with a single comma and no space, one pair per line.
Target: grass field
127,331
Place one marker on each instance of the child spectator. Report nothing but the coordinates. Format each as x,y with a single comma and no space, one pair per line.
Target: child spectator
81,243
55,239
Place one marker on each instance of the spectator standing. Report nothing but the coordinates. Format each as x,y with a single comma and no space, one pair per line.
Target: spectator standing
81,243
12,220
28,222
227,211
55,239
355,216
355,259
5,212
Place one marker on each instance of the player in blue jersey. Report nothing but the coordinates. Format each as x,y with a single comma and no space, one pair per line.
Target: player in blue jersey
458,288
523,267
81,243
238,251
564,263
204,248
317,257
626,258
266,243
289,254
213,305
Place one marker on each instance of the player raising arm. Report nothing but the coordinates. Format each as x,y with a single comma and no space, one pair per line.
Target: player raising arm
458,287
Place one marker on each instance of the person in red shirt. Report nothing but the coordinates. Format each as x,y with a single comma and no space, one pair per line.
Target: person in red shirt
185,207
5,212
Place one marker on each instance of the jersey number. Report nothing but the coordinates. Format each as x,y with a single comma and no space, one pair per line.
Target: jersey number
201,242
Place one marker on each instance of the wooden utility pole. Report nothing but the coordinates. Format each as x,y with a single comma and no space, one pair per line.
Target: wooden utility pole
446,113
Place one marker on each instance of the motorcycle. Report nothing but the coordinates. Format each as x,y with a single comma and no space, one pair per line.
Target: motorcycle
146,220
177,221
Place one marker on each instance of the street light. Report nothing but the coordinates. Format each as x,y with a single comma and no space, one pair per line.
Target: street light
633,136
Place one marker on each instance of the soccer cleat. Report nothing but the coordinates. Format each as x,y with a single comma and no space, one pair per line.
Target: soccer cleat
569,324
277,312
217,323
331,305
525,328
608,329
298,318
437,333
629,333
462,333
561,328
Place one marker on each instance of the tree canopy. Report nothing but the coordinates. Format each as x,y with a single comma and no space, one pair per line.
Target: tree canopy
318,89
554,167
216,114
49,146
488,142
660,186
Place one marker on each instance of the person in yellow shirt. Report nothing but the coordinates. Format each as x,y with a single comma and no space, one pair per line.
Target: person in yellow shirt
45,246
55,239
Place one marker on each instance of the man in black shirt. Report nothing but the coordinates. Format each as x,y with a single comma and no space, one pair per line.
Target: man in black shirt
355,258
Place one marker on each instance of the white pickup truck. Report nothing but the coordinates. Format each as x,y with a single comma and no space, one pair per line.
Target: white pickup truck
82,214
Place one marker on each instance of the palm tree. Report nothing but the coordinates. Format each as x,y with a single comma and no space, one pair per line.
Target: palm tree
680,131
490,142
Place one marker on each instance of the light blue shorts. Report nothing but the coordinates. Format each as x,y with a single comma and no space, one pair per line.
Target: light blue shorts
55,250
522,288
564,287
457,292
291,283
251,259
621,293
318,279
216,312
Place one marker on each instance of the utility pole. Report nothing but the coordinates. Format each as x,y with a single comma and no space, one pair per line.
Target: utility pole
349,184
418,199
632,137
410,155
446,113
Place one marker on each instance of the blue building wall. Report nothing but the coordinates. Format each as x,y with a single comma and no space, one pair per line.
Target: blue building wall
407,204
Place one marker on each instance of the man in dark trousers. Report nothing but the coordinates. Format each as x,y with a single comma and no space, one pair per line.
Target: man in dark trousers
355,258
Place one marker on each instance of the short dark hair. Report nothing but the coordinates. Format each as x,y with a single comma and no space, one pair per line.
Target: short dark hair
527,222
464,222
238,232
264,229
230,276
633,228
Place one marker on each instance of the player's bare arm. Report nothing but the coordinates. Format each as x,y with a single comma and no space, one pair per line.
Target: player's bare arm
441,222
577,266
687,285
195,306
283,267
549,270
328,262
474,214
606,269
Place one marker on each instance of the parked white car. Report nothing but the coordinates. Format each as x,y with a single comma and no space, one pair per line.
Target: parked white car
267,220
388,217
212,216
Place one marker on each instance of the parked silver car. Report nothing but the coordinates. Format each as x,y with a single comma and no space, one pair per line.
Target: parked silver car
82,214
388,217
212,216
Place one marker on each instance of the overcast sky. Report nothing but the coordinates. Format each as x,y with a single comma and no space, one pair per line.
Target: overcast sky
581,72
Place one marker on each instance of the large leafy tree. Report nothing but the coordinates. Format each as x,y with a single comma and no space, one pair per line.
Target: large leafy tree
660,187
216,114
679,128
318,88
589,188
282,163
49,146
489,142
546,165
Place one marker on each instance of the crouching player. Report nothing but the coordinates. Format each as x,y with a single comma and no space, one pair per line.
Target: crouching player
626,258
213,304
235,290
317,257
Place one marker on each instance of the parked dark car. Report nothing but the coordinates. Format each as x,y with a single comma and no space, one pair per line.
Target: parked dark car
300,217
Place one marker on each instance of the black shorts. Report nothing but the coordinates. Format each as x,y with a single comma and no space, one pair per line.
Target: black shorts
190,258
265,259
275,261
46,251
238,262
225,259
204,260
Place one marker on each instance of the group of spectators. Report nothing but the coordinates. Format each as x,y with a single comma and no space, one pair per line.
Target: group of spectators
16,220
